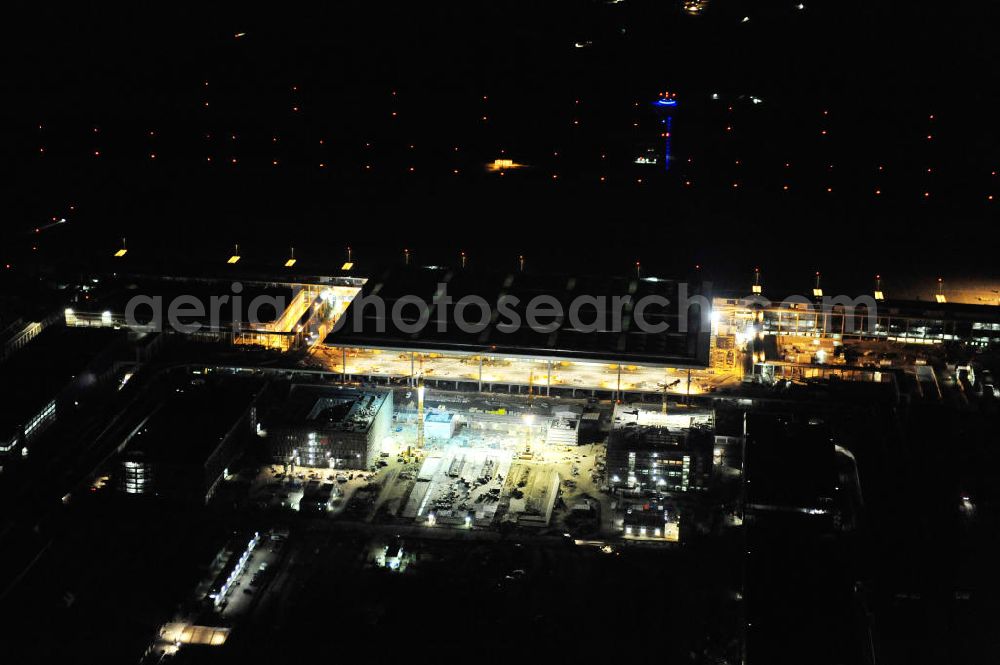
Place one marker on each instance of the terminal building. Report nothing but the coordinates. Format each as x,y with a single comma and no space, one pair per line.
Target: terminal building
326,426
900,321
280,315
365,327
594,346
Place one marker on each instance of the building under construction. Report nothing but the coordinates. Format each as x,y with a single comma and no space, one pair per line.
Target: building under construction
330,427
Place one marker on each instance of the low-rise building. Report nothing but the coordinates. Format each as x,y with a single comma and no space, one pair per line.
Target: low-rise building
650,519
317,497
439,425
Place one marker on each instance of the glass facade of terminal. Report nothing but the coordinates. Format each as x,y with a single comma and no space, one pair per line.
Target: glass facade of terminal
888,323
537,376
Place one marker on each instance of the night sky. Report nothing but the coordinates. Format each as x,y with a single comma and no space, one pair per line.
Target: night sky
874,147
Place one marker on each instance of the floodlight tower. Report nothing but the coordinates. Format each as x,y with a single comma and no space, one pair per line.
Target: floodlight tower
939,296
529,420
420,413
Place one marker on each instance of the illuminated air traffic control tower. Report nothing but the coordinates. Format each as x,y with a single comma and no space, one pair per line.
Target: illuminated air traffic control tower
665,106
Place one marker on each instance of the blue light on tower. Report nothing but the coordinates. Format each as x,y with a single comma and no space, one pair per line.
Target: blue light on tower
666,144
666,102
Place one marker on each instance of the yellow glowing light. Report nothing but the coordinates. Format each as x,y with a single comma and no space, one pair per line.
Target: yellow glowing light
120,253
233,259
289,263
347,266
503,165
940,297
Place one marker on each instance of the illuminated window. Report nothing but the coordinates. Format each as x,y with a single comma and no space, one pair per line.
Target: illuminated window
38,424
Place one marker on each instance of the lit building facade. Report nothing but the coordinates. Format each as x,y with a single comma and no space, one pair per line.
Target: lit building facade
331,427
646,459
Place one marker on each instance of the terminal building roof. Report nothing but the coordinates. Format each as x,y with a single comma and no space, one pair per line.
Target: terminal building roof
373,326
194,418
237,300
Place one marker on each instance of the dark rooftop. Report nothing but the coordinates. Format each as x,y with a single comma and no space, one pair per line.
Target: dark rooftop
326,407
33,376
369,326
789,462
114,296
194,418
